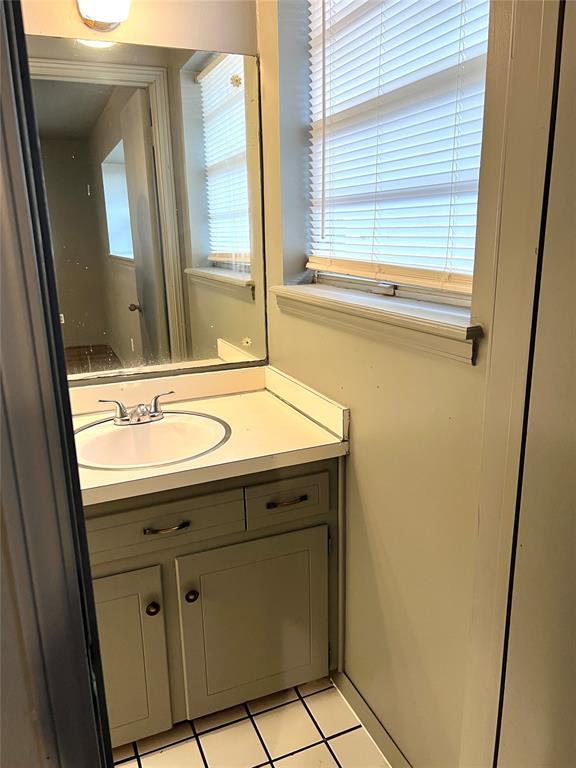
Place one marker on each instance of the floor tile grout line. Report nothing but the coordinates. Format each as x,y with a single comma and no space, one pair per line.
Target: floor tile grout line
314,693
275,706
197,733
322,740
262,711
268,755
136,753
167,745
325,738
223,725
344,732
250,715
285,703
271,761
300,749
199,743
124,759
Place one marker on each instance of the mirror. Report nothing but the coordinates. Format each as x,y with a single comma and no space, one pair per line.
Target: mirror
151,160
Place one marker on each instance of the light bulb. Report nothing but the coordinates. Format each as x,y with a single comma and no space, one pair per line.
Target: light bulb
103,15
96,43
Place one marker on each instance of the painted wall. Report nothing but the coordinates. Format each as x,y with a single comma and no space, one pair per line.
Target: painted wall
211,25
74,225
413,467
540,690
22,739
219,311
427,553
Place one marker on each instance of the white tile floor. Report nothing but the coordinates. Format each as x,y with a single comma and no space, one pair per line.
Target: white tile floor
306,727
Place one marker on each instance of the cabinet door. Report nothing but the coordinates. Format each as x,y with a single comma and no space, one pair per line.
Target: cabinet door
129,609
254,618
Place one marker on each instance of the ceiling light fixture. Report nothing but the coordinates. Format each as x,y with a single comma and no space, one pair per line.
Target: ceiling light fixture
103,15
96,43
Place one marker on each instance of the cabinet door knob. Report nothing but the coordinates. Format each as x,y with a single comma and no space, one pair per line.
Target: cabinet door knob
192,596
153,608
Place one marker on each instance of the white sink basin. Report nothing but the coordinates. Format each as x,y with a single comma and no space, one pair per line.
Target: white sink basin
179,436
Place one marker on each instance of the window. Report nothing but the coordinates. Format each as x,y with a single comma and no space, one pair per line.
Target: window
116,203
224,123
397,98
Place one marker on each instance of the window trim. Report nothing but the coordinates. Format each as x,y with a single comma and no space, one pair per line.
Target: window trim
285,164
436,280
447,330
218,275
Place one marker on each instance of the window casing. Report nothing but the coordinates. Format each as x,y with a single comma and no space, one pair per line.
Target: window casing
397,99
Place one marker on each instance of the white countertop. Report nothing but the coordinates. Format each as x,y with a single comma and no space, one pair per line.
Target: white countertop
280,425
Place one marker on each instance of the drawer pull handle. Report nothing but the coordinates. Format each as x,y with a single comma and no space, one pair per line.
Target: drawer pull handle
153,609
289,503
192,596
180,527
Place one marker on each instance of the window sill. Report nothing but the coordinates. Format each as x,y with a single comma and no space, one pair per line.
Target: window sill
438,328
215,275
122,259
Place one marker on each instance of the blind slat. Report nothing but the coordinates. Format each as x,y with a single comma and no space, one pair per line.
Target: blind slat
396,100
224,123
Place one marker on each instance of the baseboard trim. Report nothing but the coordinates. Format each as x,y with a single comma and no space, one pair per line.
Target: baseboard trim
369,720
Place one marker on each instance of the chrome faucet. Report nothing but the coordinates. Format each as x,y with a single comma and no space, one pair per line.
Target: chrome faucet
139,414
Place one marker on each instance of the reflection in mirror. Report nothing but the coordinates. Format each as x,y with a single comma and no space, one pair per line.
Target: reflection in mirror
151,162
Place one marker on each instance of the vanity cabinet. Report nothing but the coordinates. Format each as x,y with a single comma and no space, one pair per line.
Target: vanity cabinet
245,574
254,618
129,610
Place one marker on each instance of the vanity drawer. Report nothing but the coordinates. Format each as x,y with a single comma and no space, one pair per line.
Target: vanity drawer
167,525
286,500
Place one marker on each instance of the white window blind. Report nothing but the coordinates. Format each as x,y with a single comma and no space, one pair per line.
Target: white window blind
224,123
397,99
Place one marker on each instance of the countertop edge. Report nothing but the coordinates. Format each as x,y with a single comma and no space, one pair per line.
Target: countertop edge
125,489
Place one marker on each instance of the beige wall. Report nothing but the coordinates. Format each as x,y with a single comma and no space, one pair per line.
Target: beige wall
221,311
412,484
21,738
411,523
540,691
212,25
74,225
424,549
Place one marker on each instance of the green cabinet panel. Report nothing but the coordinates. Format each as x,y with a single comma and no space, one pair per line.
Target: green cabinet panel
129,609
254,618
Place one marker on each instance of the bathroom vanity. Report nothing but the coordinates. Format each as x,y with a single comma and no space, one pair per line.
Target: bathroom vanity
220,585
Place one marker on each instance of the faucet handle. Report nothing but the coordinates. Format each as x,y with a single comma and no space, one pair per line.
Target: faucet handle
155,405
121,410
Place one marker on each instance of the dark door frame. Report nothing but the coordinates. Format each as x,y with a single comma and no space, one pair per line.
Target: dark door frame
44,546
